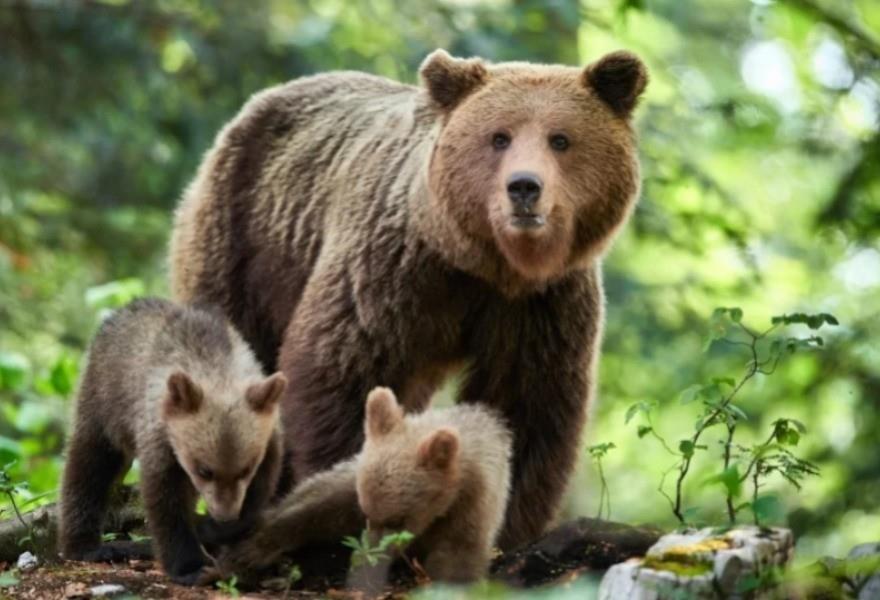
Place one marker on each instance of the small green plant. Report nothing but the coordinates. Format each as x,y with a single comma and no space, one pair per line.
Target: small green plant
364,553
716,398
8,578
597,453
293,576
11,489
229,587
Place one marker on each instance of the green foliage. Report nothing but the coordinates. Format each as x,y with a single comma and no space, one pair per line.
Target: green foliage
229,587
597,453
8,578
364,553
716,398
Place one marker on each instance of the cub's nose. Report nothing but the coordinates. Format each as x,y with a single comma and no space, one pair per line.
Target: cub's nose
524,190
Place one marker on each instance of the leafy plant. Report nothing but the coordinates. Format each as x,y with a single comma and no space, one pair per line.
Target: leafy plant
716,399
229,587
10,489
364,553
293,576
597,453
8,578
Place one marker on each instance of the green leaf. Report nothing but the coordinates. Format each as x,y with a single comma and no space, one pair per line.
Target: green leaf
768,509
115,294
644,430
737,412
14,368
686,447
8,578
294,575
690,393
63,375
630,413
730,479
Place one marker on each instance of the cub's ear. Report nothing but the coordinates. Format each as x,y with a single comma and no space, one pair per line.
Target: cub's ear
618,79
439,450
184,396
383,412
448,80
263,396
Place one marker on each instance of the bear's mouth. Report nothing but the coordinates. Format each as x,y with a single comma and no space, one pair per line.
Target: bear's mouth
527,220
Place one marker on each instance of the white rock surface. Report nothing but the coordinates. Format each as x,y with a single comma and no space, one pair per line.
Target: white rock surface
26,562
728,559
106,590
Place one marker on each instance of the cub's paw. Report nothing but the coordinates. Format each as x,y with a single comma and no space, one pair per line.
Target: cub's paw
114,552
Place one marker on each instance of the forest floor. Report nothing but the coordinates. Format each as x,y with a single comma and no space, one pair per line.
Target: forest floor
562,555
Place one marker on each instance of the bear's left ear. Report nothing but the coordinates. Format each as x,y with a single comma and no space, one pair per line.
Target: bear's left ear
383,412
448,80
618,79
439,450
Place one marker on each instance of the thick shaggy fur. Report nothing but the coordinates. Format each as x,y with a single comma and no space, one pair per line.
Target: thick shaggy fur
358,231
442,475
178,389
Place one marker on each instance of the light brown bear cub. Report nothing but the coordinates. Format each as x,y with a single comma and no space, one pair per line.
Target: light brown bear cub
178,389
442,475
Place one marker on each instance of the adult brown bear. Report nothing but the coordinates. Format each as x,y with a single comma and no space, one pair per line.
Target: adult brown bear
363,232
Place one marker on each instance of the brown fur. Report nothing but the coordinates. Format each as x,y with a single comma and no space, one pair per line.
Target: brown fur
442,475
178,389
358,232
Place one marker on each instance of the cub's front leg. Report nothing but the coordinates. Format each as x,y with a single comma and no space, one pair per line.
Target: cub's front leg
169,502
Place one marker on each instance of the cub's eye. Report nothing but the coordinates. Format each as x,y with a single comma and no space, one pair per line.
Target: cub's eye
500,141
559,142
204,473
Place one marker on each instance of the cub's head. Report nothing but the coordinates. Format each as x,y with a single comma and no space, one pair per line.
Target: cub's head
220,436
537,161
407,475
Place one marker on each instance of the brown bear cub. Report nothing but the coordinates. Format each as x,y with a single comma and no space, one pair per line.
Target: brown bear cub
178,389
442,475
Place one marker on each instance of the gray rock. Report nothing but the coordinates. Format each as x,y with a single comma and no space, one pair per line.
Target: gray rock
26,562
868,585
699,564
106,590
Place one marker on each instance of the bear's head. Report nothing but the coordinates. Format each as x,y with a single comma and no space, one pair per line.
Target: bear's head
219,433
407,473
536,163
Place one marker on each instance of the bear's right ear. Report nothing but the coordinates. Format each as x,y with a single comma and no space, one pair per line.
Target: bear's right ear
184,396
448,80
263,396
383,412
618,79
439,450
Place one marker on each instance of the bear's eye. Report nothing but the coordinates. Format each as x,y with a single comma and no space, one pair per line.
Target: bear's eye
500,141
204,473
559,142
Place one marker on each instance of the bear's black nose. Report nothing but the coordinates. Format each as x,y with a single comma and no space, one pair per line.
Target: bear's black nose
524,190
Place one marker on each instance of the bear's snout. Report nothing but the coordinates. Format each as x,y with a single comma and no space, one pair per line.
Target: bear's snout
524,190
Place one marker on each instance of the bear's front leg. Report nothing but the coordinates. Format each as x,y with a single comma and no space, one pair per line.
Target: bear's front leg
333,355
533,360
169,502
